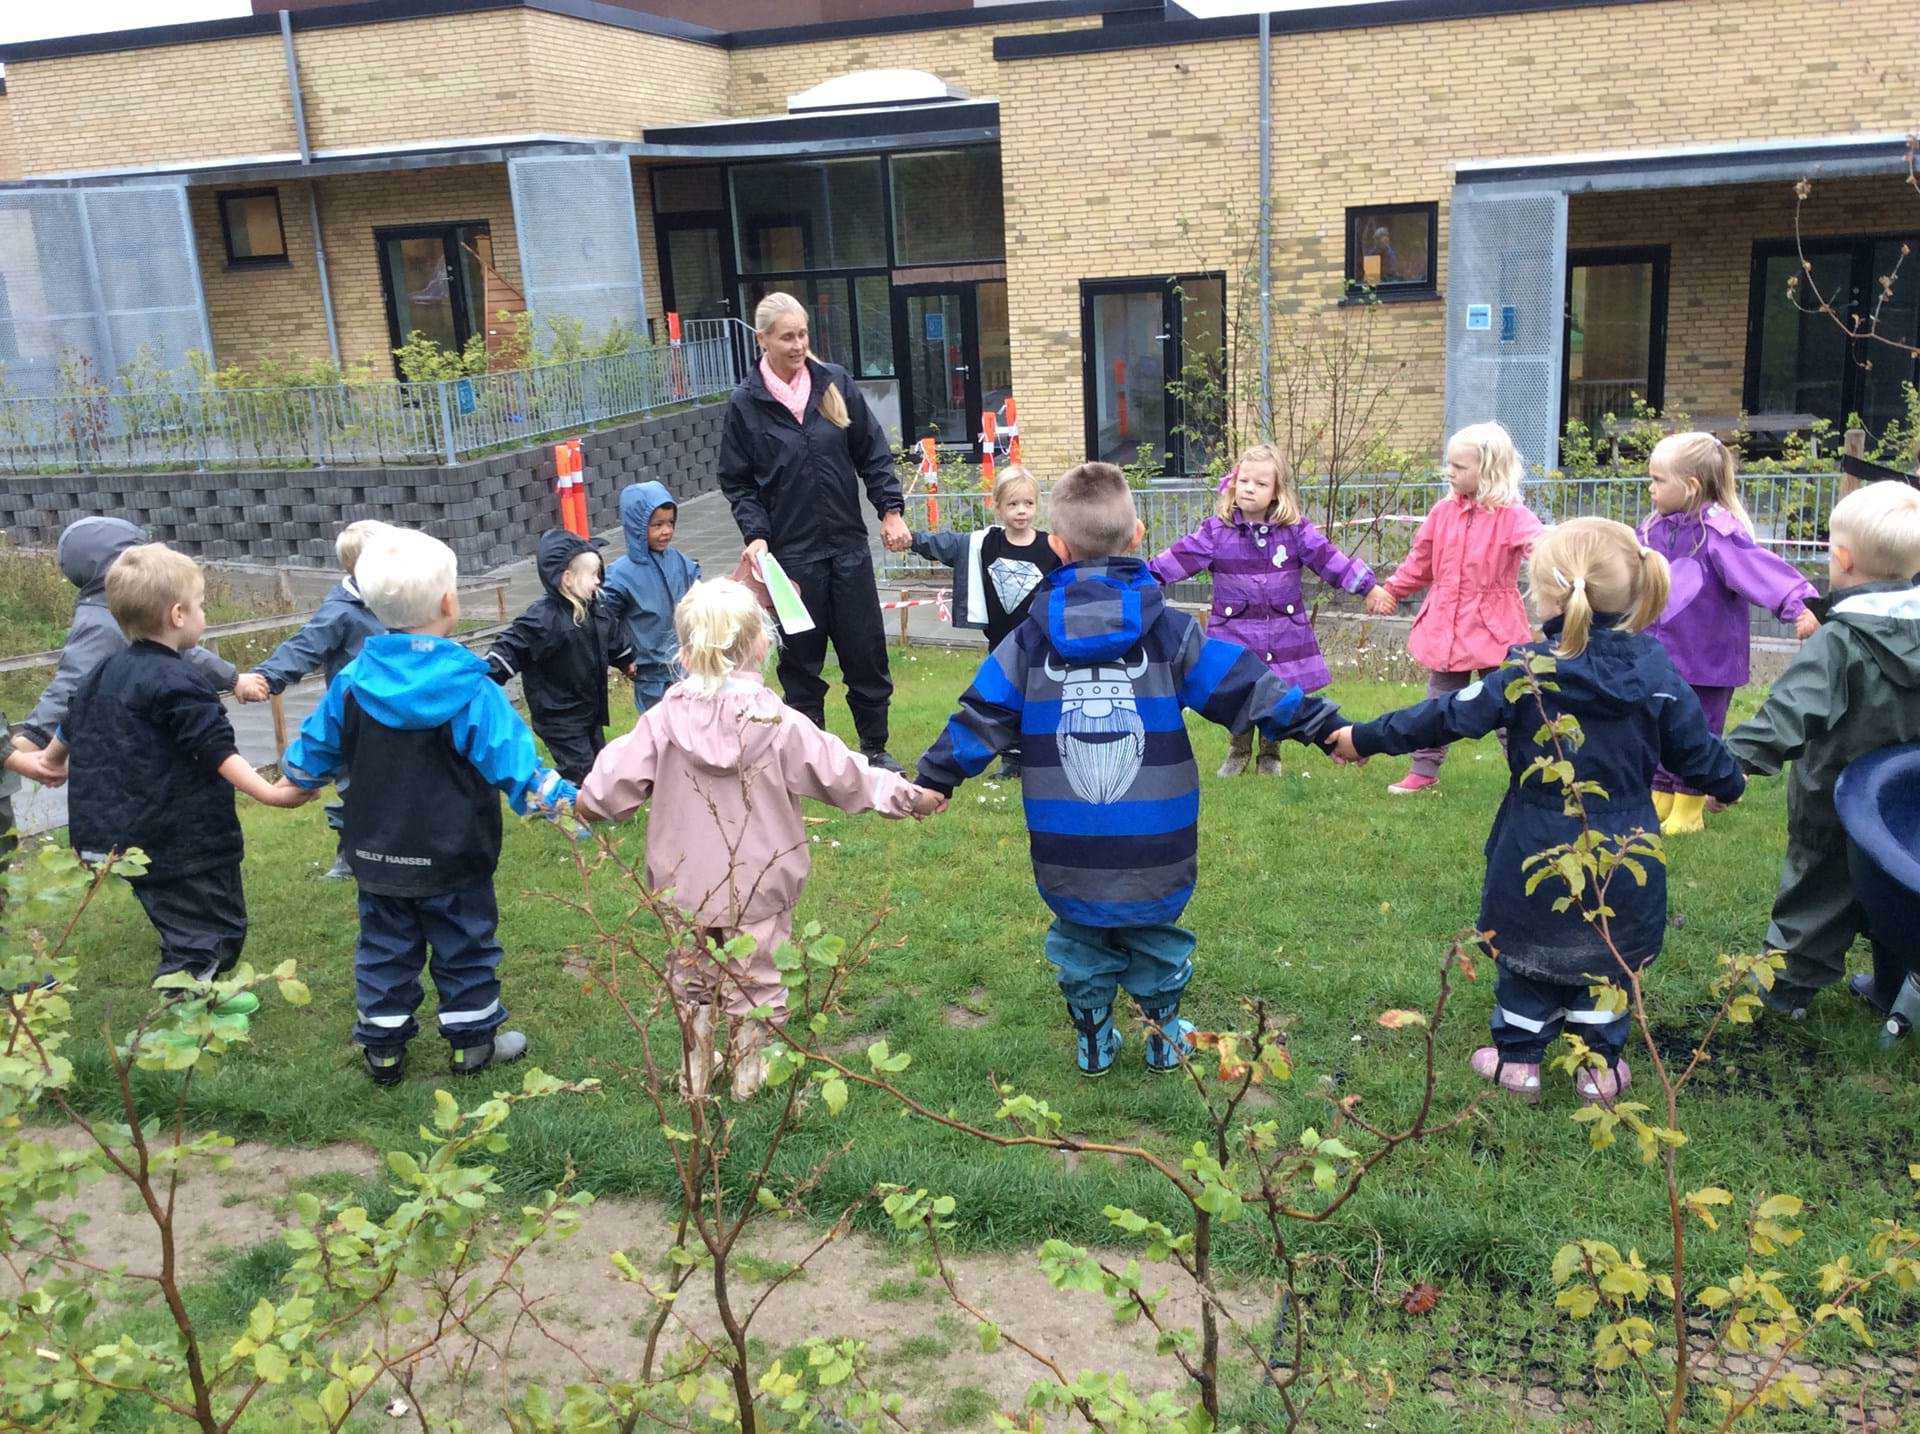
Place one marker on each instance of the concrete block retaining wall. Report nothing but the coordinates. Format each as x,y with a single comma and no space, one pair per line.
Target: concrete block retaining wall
490,509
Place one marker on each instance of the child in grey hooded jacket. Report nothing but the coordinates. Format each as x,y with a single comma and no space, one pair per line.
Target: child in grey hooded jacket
87,549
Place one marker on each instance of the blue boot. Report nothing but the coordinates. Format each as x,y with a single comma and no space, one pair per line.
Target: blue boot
1168,1037
1095,1039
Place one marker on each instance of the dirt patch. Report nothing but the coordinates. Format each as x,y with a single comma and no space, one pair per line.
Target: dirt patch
969,1014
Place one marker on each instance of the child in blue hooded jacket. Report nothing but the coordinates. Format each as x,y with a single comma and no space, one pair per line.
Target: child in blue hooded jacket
643,587
1092,687
430,739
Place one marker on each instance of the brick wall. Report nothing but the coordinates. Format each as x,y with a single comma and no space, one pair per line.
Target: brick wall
490,510
271,311
598,80
9,146
1137,162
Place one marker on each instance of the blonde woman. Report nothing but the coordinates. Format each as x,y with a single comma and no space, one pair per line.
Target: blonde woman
797,447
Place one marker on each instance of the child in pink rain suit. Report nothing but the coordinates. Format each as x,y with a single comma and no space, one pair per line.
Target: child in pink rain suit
725,764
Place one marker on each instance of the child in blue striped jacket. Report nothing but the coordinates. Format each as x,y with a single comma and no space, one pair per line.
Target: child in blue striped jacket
1091,689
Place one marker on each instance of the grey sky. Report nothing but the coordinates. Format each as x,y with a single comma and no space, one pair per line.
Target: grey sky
20,20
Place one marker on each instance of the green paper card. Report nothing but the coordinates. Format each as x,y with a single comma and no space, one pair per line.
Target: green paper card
788,607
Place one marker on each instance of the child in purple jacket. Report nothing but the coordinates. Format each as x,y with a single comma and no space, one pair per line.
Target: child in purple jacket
1701,529
1256,547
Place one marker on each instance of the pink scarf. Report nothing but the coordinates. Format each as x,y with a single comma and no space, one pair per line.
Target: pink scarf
793,396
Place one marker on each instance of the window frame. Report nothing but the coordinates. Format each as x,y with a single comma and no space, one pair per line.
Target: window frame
456,277
1353,286
253,261
1172,361
1660,257
1861,283
894,259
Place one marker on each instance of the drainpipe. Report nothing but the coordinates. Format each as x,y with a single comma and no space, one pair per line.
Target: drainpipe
1266,221
313,186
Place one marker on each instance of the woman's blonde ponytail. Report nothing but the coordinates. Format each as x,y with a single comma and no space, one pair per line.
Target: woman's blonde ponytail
833,405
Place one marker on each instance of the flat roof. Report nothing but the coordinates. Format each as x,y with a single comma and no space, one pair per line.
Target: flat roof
1687,165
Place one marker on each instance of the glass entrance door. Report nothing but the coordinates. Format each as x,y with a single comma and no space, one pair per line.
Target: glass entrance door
695,284
1153,358
936,333
434,281
1615,337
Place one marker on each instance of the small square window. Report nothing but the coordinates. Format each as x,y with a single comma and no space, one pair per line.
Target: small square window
250,220
1391,248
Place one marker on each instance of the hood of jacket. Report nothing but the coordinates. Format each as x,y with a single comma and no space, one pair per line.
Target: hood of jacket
89,546
722,732
637,505
1612,676
1884,620
411,681
1097,611
558,548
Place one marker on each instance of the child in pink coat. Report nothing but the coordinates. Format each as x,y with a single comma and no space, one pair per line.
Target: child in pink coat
724,764
1467,556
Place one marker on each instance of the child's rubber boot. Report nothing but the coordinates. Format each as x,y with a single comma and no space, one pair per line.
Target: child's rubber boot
1411,783
1096,1041
339,871
1169,1038
1239,755
243,1003
1515,1078
1009,770
1787,1001
386,1064
1269,763
1602,1087
698,1061
1688,815
1663,804
747,1051
505,1046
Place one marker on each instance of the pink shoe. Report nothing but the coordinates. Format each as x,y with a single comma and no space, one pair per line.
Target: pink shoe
1411,783
1602,1087
1521,1078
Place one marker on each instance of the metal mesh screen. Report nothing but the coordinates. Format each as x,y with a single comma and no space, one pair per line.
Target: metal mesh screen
1506,293
579,250
100,273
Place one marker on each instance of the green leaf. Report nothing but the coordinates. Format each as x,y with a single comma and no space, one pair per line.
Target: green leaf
260,1321
446,1111
989,1338
834,1092
270,1363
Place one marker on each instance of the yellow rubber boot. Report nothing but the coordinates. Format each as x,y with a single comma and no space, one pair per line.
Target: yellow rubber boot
1687,816
1663,805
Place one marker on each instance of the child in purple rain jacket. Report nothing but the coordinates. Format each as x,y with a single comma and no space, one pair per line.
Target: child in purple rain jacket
1256,548
1701,529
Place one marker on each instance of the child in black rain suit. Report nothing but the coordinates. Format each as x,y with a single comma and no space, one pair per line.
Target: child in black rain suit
560,649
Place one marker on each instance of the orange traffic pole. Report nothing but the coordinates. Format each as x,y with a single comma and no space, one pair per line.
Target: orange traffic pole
930,470
582,526
562,463
1012,432
989,440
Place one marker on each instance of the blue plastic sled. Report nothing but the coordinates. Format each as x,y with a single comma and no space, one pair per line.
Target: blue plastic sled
1878,798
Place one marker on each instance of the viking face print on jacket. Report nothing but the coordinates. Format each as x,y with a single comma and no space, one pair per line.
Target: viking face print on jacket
1102,739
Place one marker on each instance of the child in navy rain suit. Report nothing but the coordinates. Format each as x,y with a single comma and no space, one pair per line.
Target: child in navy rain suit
560,649
1595,588
643,588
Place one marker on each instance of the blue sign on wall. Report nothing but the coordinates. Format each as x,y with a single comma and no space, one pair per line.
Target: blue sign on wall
936,323
463,395
1509,323
1479,318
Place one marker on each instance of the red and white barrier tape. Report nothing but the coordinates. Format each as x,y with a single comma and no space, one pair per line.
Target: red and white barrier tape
943,600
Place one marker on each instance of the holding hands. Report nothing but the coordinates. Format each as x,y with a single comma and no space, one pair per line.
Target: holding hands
927,802
37,766
1805,626
1380,602
895,533
1340,745
252,687
287,793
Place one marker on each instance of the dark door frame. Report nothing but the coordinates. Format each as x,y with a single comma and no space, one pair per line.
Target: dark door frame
1861,283
456,275
1660,256
1172,354
714,220
968,292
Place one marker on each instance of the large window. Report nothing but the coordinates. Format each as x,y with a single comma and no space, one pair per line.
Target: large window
947,207
434,278
1392,249
250,223
1800,362
819,214
1616,332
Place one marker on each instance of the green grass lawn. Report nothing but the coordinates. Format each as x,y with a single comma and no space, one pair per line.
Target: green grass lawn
1318,892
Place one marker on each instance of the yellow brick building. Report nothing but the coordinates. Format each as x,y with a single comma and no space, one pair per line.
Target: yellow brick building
1558,204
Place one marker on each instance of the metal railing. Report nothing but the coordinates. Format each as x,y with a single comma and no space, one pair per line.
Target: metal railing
1376,519
375,423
